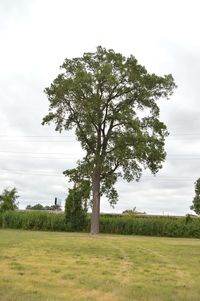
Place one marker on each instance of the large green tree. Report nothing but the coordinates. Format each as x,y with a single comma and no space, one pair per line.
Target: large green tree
111,102
196,200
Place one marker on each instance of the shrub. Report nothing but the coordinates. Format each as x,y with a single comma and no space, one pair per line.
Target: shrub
196,199
75,215
8,200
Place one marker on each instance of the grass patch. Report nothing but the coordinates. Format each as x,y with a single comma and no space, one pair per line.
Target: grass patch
55,266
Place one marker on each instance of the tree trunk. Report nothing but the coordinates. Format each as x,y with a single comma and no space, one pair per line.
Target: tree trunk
96,202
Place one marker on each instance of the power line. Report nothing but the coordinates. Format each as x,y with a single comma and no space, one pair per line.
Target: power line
48,158
73,138
33,153
33,141
22,170
5,153
185,134
44,173
76,158
26,172
68,136
35,136
48,153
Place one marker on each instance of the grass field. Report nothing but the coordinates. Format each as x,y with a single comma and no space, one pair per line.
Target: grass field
78,267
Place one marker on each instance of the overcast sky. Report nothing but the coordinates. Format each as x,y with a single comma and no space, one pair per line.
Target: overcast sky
37,35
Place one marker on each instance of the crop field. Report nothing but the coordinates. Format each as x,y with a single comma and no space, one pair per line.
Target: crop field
79,267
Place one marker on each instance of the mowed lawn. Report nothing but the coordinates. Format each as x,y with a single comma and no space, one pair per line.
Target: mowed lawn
78,267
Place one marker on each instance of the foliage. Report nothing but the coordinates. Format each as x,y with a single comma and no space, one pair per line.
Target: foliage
196,200
35,207
132,225
151,226
8,200
79,176
75,214
33,220
110,101
41,207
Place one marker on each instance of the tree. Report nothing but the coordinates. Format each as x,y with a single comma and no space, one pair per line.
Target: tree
75,214
8,200
35,207
41,207
110,101
28,207
81,180
196,200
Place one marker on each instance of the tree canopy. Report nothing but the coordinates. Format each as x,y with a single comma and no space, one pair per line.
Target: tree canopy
41,207
196,199
111,103
8,199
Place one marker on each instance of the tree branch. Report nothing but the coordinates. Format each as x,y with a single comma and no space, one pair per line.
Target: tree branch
80,128
91,119
117,164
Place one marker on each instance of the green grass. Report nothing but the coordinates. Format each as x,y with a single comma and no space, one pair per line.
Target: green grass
78,267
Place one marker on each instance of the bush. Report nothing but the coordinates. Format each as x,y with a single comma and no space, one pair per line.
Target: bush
196,199
75,215
8,200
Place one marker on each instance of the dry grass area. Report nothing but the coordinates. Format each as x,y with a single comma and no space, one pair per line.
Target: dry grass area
79,267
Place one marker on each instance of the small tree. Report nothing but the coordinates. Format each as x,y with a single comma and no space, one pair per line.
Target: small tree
196,201
8,200
28,207
82,180
75,215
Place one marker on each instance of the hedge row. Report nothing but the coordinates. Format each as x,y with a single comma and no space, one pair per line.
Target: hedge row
152,226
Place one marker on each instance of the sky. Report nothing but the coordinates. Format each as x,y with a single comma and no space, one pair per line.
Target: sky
37,35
